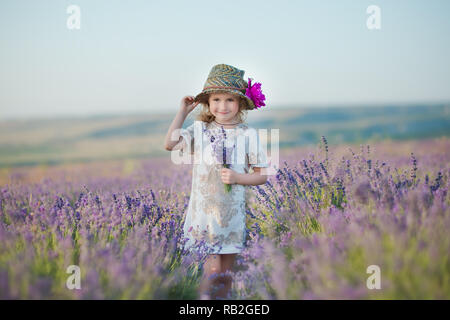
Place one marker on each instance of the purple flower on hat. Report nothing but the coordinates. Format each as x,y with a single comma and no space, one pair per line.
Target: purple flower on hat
255,94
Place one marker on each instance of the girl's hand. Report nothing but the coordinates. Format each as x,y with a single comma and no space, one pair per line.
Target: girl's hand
228,176
188,104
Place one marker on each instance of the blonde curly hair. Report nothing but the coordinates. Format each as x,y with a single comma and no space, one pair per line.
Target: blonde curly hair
205,114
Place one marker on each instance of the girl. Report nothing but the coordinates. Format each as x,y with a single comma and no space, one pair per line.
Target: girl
216,214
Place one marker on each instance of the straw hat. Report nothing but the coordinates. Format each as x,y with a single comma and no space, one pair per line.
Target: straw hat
226,78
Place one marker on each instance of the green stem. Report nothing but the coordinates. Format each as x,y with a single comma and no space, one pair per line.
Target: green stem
227,186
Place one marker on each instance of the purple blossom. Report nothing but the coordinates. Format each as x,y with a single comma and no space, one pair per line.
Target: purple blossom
307,236
255,94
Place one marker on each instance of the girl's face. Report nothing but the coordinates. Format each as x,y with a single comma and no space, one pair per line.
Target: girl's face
224,106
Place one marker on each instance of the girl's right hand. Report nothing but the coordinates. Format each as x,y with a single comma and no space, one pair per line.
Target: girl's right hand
188,104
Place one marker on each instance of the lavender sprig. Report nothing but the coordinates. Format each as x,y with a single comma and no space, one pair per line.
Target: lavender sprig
224,158
225,165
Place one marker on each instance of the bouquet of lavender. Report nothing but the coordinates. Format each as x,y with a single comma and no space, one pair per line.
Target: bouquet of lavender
225,165
223,154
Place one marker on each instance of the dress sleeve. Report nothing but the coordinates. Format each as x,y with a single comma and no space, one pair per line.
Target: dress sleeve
256,150
187,143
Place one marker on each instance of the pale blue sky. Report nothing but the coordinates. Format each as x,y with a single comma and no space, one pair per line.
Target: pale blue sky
144,56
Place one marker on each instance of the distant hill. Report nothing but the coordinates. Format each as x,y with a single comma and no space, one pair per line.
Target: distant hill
48,141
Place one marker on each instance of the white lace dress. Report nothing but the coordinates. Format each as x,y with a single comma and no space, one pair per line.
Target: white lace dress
214,215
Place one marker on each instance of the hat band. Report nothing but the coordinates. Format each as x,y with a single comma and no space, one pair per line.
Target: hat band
220,87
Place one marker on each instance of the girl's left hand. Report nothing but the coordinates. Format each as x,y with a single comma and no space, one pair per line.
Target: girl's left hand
228,176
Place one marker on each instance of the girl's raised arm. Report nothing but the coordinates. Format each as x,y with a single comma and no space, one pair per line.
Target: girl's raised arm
186,106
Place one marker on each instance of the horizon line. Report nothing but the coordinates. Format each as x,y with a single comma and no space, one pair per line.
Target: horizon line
62,116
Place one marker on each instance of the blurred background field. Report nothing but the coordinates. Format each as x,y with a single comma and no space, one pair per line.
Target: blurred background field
80,139
312,229
431,151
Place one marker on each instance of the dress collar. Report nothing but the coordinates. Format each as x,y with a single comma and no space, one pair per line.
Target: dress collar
239,125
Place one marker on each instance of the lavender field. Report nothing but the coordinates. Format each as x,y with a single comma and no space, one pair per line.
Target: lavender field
313,229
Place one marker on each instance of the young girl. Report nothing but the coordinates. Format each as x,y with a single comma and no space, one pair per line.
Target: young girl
216,214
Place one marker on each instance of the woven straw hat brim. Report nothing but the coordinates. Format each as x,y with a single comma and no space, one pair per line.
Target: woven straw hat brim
250,106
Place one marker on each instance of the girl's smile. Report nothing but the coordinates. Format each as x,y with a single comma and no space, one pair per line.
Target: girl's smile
224,106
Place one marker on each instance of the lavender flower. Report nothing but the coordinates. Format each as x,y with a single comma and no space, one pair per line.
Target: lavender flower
308,236
223,153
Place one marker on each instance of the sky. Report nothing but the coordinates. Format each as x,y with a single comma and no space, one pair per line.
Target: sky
145,56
